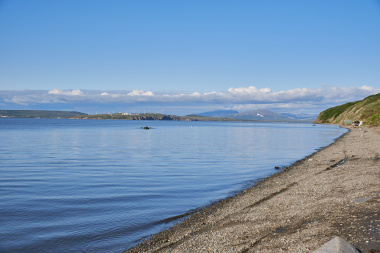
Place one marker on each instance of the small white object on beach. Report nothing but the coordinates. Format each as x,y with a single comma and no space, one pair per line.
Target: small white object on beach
362,200
336,245
310,160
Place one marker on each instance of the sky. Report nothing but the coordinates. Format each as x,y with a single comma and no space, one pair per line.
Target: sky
182,57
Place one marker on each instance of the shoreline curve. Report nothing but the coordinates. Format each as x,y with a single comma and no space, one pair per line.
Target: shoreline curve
297,209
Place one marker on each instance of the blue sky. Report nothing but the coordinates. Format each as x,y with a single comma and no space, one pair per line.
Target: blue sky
188,56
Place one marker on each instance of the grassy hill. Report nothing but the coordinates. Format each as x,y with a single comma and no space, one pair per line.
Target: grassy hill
38,114
366,110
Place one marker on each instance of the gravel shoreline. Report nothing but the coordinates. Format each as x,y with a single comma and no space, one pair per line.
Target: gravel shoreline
334,192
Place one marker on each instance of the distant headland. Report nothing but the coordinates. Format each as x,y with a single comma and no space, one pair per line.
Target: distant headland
43,114
366,110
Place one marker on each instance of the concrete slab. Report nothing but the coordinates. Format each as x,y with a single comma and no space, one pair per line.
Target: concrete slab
337,245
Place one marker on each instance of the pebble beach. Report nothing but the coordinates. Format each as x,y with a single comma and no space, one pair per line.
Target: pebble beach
333,192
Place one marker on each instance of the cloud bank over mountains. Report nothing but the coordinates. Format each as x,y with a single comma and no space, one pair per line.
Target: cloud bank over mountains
234,98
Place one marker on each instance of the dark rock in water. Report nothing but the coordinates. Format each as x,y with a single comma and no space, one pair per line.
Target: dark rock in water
277,168
146,127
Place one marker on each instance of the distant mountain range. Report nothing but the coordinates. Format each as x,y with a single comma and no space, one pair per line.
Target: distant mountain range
218,113
301,116
261,115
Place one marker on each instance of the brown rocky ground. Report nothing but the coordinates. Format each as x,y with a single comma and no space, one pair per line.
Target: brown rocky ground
334,192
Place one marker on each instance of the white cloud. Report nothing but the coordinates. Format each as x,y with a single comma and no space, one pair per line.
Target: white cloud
140,93
237,98
66,92
365,87
250,91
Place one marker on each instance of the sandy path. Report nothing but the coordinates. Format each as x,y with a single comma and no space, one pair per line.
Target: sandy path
297,210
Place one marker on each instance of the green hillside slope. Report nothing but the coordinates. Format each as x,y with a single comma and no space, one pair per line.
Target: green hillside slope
366,110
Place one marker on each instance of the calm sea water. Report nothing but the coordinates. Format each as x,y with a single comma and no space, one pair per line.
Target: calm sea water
102,185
